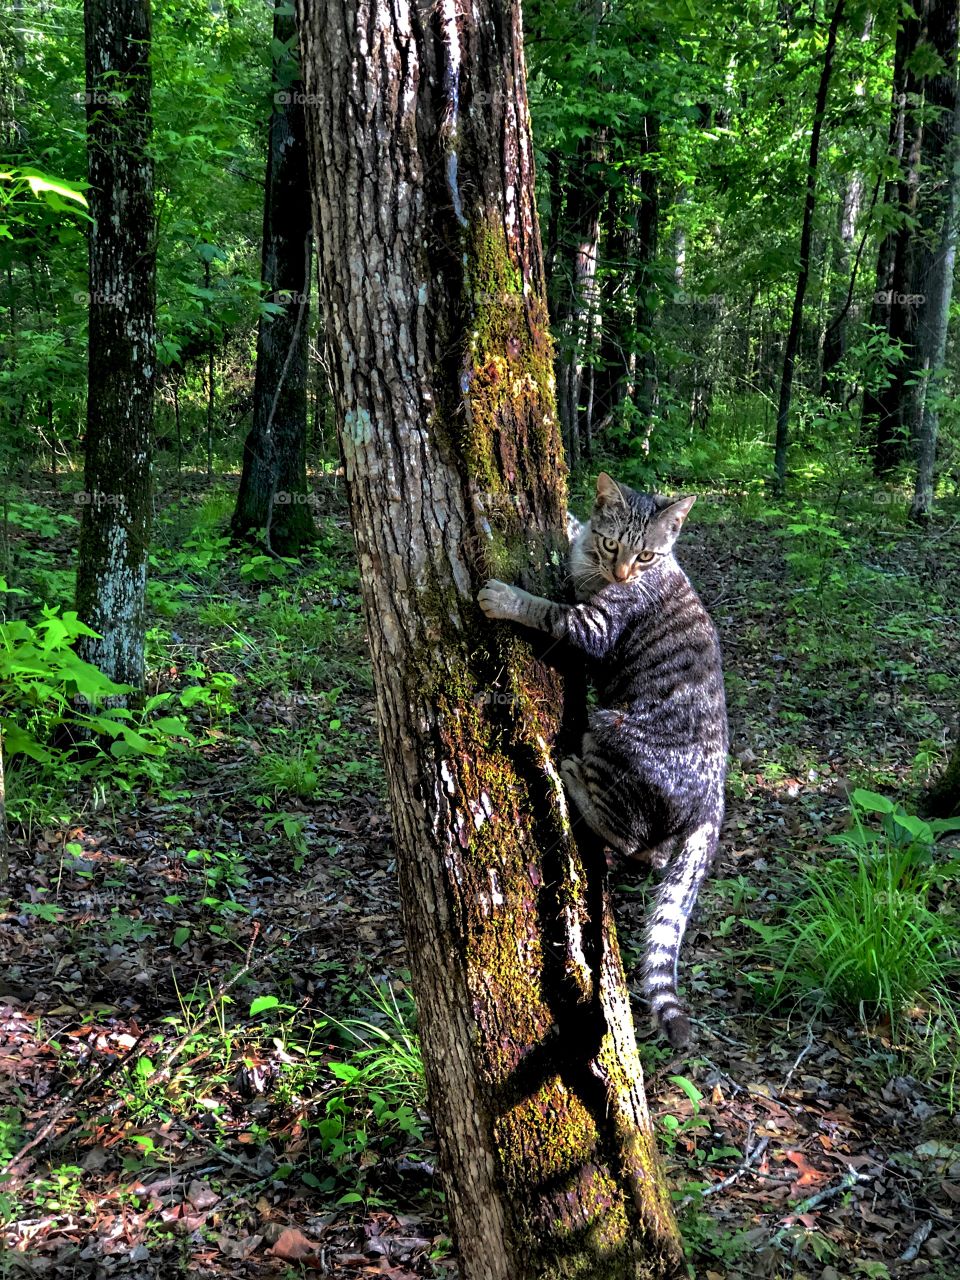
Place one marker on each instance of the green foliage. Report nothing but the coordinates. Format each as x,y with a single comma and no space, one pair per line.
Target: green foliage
874,931
376,1103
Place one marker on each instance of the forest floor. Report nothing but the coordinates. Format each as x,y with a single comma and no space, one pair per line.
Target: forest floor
188,946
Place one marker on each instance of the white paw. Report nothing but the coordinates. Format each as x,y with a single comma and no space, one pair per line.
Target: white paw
498,600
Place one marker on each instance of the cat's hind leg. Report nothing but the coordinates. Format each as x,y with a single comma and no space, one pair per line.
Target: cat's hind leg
580,792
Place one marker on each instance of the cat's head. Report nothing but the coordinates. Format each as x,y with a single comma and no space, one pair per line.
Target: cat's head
629,533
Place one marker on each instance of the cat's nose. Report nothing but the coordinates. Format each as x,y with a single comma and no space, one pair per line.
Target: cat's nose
622,572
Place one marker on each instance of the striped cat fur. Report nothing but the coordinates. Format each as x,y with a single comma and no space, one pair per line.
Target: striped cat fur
650,776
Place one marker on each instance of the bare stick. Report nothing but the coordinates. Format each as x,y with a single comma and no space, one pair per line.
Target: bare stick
850,1179
751,1157
916,1241
800,1057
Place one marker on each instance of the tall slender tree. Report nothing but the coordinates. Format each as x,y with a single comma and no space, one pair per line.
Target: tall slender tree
803,263
577,291
273,487
433,285
935,254
115,527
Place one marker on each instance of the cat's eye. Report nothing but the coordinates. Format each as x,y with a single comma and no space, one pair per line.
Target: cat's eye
609,545
646,557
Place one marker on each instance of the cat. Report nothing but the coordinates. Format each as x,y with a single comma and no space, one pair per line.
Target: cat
650,776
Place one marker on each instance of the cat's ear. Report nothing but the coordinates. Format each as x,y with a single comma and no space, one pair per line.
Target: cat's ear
609,492
669,521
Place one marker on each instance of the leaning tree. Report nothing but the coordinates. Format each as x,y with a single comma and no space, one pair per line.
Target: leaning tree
431,275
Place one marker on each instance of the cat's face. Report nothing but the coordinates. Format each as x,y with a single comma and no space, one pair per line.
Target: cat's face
630,532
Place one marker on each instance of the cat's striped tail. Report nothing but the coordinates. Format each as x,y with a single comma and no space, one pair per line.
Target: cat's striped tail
676,895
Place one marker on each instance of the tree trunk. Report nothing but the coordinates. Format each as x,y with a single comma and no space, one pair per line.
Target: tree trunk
629,247
273,487
803,269
935,253
889,408
580,239
943,798
441,361
834,338
873,418
115,528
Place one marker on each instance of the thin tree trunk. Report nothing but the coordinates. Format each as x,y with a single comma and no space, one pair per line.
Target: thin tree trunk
630,241
873,425
433,286
115,528
890,406
803,271
273,487
581,237
211,375
834,338
179,424
935,255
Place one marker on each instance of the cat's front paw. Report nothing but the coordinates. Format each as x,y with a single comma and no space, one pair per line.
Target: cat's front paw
499,600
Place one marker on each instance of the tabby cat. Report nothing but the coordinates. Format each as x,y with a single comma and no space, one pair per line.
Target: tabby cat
649,779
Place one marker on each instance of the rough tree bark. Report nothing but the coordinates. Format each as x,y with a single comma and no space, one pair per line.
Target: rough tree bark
803,267
273,487
115,527
432,279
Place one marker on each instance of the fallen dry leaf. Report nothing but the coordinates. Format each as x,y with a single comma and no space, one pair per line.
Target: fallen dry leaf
293,1244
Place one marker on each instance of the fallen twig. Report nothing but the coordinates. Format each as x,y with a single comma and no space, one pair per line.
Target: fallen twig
751,1157
916,1241
61,1109
800,1057
849,1180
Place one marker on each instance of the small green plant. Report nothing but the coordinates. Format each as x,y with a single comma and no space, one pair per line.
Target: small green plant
223,871
676,1130
295,774
212,690
376,1101
873,931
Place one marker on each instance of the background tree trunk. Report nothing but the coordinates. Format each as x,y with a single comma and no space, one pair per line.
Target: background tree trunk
115,527
834,338
935,251
803,269
943,798
273,486
433,287
580,243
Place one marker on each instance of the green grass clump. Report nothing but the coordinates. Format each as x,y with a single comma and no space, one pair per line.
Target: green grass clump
873,932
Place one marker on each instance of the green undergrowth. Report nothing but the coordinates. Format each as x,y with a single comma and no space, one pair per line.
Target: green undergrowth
874,934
